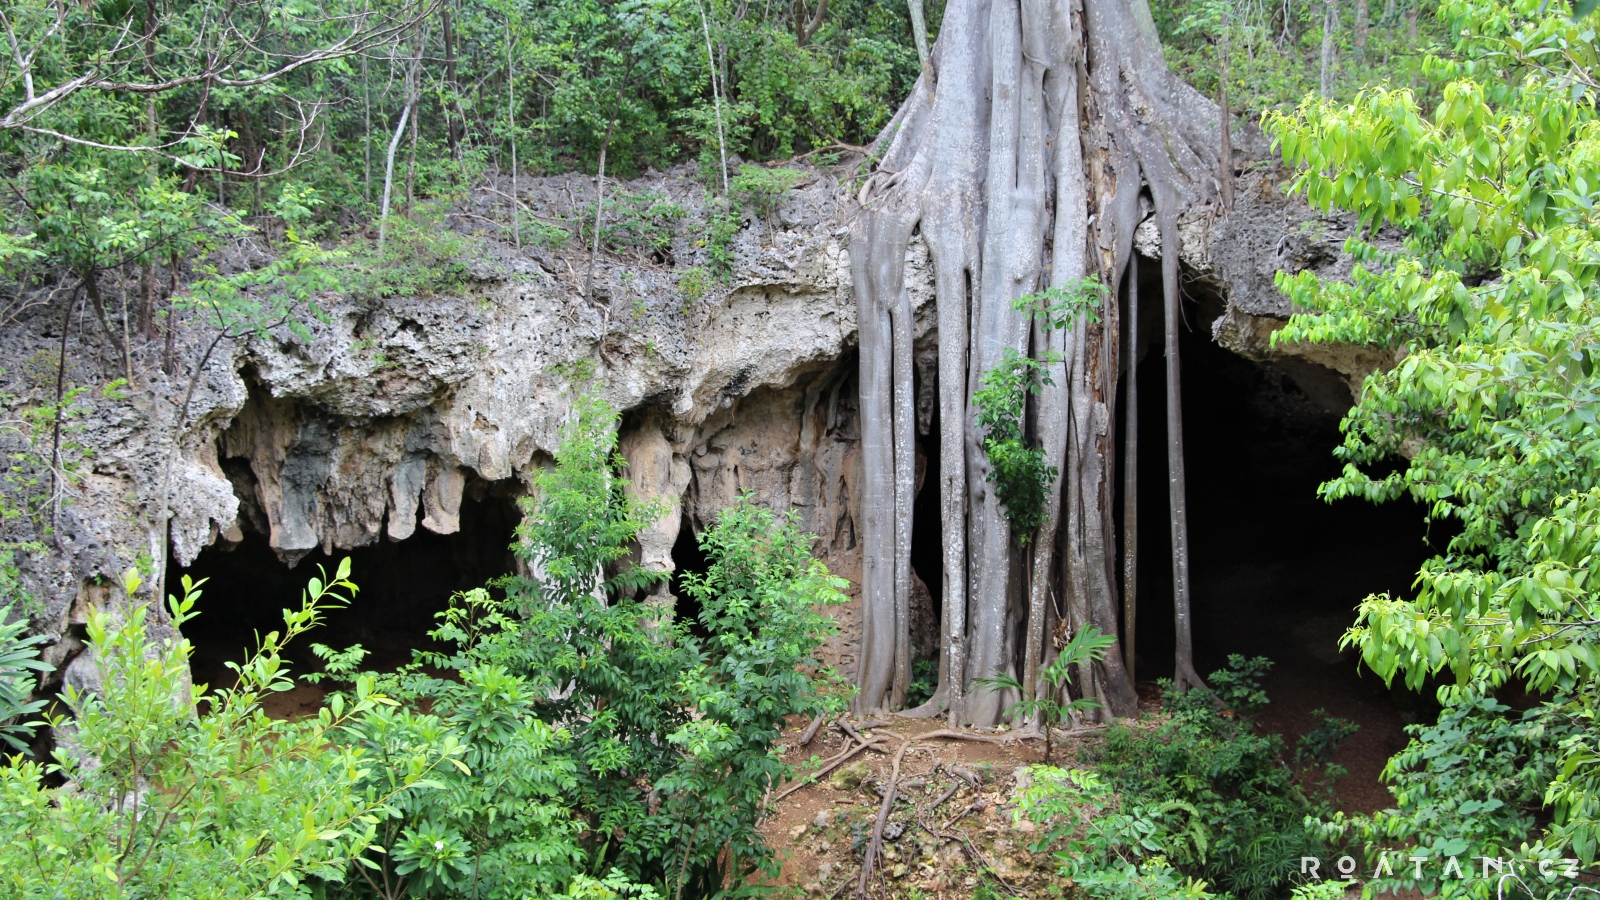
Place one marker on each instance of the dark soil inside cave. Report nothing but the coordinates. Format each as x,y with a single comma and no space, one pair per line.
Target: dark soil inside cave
1277,572
402,585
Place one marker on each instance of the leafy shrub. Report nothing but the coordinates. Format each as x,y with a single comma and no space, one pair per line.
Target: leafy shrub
764,188
1016,466
161,802
421,256
924,680
19,665
693,282
1318,744
1110,848
1471,785
544,234
639,224
1238,686
1200,799
599,733
1046,706
722,224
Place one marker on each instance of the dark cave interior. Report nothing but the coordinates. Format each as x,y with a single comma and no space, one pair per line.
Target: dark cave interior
1275,570
402,585
687,557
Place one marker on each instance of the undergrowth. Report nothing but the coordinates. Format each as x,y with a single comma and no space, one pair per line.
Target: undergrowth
1196,804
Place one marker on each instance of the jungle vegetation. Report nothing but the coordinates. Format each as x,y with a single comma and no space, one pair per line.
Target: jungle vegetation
580,746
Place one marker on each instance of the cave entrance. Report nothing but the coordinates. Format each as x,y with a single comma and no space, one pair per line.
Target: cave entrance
1276,571
688,558
403,584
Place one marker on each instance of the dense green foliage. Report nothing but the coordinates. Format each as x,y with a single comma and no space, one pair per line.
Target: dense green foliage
143,144
1492,304
164,803
599,733
550,82
19,668
573,741
1271,53
1017,466
1198,804
1470,786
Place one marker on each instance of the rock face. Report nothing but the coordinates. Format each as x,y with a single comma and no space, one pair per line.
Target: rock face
393,409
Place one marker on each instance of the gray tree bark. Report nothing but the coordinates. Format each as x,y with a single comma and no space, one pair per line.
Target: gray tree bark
1330,24
1023,171
1130,479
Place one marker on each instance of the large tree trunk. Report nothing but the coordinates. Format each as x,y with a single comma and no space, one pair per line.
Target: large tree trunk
1022,171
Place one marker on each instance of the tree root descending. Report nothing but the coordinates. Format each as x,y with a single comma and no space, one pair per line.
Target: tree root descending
1054,125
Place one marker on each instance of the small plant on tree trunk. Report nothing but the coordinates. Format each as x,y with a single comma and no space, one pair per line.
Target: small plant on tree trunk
1046,706
1018,470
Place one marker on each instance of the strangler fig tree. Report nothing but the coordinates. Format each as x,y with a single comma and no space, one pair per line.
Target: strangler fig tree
1048,130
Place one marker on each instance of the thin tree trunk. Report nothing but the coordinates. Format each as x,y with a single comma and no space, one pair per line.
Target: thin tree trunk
366,132
919,35
1184,675
406,112
511,124
91,287
1130,480
127,337
1359,35
452,133
1330,23
1225,124
145,324
716,96
200,119
600,200
411,161
55,426
805,27
388,175
170,344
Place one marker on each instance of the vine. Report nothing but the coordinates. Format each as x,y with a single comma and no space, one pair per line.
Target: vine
1018,471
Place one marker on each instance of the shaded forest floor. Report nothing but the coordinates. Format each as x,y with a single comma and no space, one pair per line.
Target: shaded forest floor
956,833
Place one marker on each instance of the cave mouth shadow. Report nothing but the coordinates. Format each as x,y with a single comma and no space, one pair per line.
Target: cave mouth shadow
401,585
1275,570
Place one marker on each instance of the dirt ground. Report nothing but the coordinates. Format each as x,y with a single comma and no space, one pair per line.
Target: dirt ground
956,835
956,832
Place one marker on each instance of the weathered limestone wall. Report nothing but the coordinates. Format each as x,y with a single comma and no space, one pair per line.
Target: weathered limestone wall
378,423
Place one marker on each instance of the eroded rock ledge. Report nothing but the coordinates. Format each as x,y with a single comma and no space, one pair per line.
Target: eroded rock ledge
395,409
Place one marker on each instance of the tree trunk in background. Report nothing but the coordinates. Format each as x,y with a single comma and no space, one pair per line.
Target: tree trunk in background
454,118
1330,24
1184,676
1225,126
1130,478
366,133
406,112
1359,33
1023,171
919,35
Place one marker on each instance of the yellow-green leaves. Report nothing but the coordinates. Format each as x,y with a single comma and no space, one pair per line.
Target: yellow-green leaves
1492,310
